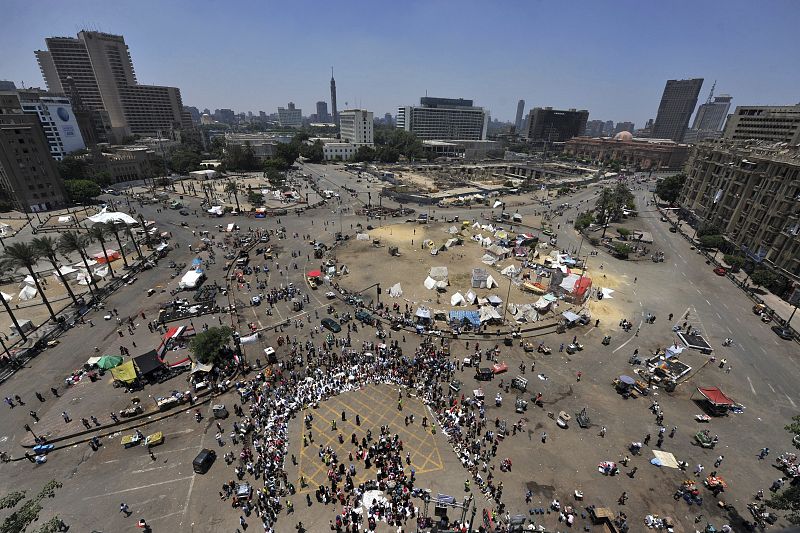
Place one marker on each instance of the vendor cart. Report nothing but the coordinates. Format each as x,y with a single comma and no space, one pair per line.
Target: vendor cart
220,411
520,405
705,440
528,347
519,383
563,420
478,394
129,441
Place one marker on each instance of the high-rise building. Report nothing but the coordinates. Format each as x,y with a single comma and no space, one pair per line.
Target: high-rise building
556,125
6,85
28,174
388,120
608,128
677,105
194,113
623,126
101,67
334,112
226,116
594,128
322,112
444,119
56,117
355,126
520,113
767,123
750,190
712,114
290,116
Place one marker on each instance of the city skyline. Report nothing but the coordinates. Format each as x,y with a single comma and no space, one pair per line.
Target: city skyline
614,78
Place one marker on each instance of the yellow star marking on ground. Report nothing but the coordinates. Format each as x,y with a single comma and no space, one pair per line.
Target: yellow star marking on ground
377,406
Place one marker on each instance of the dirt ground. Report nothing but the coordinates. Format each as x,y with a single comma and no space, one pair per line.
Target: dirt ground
15,220
369,264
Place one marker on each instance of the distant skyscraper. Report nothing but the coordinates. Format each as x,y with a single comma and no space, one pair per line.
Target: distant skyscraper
444,119
555,125
388,120
594,128
608,128
676,108
7,85
520,112
623,126
290,116
322,112
356,126
712,114
333,100
765,123
101,67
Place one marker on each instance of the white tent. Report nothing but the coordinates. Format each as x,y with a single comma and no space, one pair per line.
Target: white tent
27,293
395,291
249,339
490,282
27,281
429,283
457,299
191,279
439,273
114,216
362,236
216,210
496,204
488,259
7,297
450,243
453,230
509,271
607,292
65,219
471,296
441,284
423,312
487,313
100,272
65,271
203,174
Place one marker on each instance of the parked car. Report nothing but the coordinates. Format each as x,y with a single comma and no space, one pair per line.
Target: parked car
783,333
184,212
719,271
331,324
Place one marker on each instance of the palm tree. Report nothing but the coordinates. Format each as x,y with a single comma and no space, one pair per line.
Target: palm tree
113,227
70,242
25,255
146,233
48,247
133,240
231,188
13,318
98,233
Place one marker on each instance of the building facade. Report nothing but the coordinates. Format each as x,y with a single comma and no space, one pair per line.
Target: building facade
28,173
677,105
57,118
355,126
751,190
444,119
334,111
624,126
766,123
339,151
322,112
556,125
520,113
642,154
100,65
290,116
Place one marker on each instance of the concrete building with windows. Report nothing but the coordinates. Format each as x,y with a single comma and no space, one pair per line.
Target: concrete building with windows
322,112
766,123
751,190
518,119
444,119
631,152
624,126
56,117
290,116
556,125
264,145
677,105
356,127
28,173
101,67
339,151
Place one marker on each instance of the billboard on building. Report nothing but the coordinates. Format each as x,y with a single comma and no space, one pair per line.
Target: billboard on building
67,126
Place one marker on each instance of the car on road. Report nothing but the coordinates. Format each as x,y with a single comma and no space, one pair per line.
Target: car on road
255,300
363,316
184,212
719,271
204,460
664,219
673,229
783,333
331,324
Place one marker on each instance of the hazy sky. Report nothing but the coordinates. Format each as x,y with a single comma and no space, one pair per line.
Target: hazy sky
610,57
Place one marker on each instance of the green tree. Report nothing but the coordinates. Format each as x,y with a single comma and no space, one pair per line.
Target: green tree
762,277
624,231
669,188
313,152
73,168
146,233
288,152
81,191
113,227
25,255
789,498
48,247
583,220
183,161
231,188
255,197
10,312
209,346
622,250
708,229
103,178
364,154
388,154
712,241
98,233
604,207
734,261
28,512
73,242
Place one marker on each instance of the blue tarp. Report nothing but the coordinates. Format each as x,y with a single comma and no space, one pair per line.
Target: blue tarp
473,317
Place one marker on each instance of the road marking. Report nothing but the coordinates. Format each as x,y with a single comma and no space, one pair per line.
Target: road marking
139,488
790,400
776,342
181,449
762,350
111,461
729,329
771,387
751,386
709,303
725,305
719,316
627,341
172,465
164,516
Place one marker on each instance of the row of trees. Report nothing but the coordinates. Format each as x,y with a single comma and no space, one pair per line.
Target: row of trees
26,255
609,207
669,188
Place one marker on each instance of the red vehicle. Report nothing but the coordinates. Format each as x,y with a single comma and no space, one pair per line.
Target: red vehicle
499,368
719,271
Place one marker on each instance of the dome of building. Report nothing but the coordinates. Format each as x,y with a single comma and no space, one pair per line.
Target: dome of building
623,136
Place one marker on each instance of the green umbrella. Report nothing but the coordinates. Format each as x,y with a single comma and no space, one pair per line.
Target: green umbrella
109,361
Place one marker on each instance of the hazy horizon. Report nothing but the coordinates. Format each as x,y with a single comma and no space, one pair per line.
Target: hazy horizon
612,59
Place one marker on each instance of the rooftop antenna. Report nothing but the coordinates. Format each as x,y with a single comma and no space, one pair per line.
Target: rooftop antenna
711,94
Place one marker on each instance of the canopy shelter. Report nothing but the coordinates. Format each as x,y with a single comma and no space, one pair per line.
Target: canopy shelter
7,297
423,313
107,362
249,339
27,293
569,316
471,297
439,273
715,401
395,291
429,283
314,273
479,277
105,216
495,300
191,279
148,362
461,316
126,372
457,299
100,257
488,313
200,367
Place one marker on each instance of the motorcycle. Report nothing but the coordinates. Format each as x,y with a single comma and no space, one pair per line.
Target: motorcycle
197,415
